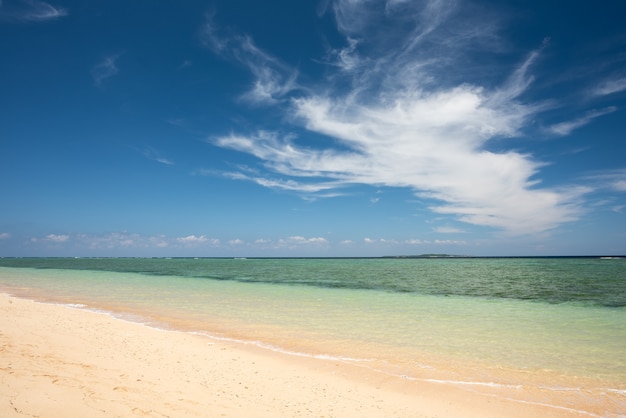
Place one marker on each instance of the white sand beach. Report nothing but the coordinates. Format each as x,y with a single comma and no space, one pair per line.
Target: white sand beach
58,361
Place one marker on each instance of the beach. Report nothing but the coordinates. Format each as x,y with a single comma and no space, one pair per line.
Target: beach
60,361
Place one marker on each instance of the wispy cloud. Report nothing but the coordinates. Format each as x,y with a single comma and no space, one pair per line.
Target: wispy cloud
185,64
282,184
124,240
121,240
111,243
105,69
614,180
298,241
5,235
272,80
152,154
449,242
413,241
566,128
117,240
620,185
429,142
198,240
294,242
407,108
369,240
611,86
52,238
30,11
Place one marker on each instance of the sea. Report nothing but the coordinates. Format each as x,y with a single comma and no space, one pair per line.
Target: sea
549,330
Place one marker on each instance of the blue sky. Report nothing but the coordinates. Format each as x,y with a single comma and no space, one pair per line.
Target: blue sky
312,128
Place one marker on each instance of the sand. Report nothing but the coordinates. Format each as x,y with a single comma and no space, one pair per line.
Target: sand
59,361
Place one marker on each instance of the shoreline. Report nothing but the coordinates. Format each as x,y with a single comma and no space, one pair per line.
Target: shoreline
64,361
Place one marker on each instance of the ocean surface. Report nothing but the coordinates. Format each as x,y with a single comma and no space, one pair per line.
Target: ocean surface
542,330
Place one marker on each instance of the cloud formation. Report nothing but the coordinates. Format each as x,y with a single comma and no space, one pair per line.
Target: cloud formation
152,154
132,241
614,180
611,86
567,127
30,11
123,240
404,107
413,241
105,69
198,240
52,238
272,79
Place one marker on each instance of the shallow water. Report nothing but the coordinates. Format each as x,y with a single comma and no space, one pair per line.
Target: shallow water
547,324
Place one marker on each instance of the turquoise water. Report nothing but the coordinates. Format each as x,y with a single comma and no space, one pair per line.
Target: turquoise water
558,320
593,281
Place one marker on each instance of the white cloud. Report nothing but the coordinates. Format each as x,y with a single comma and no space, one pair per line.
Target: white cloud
302,240
236,241
346,58
272,79
192,239
416,242
431,143
282,184
209,34
614,180
5,235
105,69
198,240
379,241
116,240
449,242
57,238
53,238
565,128
619,185
610,86
388,241
298,242
403,111
30,11
126,240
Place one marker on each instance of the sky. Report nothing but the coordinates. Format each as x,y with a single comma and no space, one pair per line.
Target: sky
312,128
